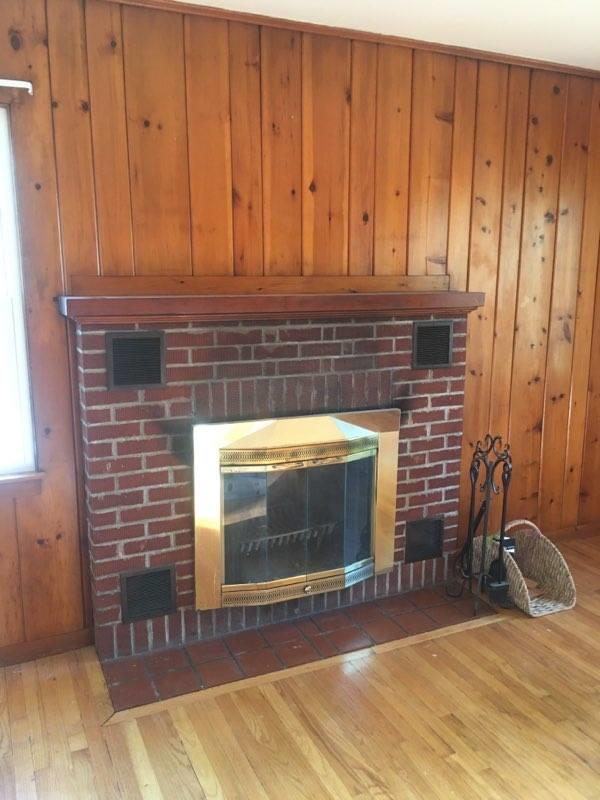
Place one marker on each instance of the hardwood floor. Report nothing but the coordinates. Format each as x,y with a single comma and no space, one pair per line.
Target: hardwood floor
505,710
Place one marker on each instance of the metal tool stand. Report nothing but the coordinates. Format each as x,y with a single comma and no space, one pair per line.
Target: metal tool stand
490,455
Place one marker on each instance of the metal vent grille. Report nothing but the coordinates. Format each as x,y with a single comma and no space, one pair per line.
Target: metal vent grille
135,360
148,593
432,344
424,539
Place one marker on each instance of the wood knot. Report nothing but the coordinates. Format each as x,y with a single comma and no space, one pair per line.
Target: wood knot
16,40
312,187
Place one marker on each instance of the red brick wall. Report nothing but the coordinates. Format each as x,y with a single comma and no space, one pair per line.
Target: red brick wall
137,449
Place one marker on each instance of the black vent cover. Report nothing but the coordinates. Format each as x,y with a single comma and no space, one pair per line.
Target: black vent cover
432,344
135,359
424,539
148,593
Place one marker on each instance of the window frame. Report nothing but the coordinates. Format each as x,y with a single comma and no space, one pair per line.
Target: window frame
24,478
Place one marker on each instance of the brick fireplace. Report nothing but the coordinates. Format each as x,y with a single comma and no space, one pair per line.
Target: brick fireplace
137,448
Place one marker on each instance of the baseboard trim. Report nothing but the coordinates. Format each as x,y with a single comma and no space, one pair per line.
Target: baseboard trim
51,645
575,532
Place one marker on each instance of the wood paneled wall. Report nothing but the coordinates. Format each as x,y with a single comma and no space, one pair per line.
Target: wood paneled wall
214,147
41,598
176,144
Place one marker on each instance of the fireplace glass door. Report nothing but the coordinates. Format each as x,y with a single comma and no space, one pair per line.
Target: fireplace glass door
293,522
293,506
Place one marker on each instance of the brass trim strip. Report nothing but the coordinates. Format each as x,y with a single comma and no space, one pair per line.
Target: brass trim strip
318,462
298,588
243,457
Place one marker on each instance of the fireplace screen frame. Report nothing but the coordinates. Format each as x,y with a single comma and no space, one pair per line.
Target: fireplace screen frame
290,443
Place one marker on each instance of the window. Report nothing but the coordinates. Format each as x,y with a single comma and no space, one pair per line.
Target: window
17,450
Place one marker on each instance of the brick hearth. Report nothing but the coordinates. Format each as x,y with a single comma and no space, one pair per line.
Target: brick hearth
137,452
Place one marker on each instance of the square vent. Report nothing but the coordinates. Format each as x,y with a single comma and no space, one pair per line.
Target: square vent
424,539
432,344
135,359
148,593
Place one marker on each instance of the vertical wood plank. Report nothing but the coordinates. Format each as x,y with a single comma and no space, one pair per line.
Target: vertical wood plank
546,118
510,242
47,523
11,605
209,144
156,116
244,76
362,158
486,213
326,73
564,301
72,136
508,269
109,137
281,69
461,173
430,162
394,77
581,498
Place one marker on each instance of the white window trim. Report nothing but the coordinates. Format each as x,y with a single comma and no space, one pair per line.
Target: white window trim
17,454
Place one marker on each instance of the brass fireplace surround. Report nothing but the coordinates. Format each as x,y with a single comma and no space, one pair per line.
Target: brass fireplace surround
290,443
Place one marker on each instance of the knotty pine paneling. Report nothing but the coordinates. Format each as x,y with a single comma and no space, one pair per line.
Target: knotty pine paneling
326,99
109,135
39,535
582,440
430,161
246,148
310,154
538,236
281,53
363,110
155,102
563,307
209,144
166,144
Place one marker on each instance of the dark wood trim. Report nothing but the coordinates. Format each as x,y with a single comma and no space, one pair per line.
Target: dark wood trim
95,286
27,651
22,485
111,310
366,36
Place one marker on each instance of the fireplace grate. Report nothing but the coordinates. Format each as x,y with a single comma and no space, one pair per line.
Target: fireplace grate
148,593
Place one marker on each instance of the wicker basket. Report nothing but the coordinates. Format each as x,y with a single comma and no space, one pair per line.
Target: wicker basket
537,558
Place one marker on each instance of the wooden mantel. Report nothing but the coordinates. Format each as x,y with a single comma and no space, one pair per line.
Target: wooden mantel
126,300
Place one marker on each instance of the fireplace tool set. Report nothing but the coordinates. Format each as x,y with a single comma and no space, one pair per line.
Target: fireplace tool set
490,458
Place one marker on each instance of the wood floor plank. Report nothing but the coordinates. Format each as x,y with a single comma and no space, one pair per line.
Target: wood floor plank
509,710
7,773
170,763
